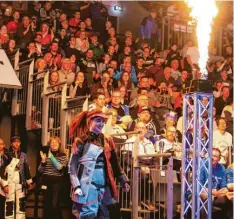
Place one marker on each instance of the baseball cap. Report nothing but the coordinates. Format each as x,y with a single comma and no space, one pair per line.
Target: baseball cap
144,108
16,137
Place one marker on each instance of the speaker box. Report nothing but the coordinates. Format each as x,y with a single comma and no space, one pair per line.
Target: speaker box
199,85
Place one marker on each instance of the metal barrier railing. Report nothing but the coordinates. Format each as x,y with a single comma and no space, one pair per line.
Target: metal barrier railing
19,100
151,193
51,111
70,107
34,101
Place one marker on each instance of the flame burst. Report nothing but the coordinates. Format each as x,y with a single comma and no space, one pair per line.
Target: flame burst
203,12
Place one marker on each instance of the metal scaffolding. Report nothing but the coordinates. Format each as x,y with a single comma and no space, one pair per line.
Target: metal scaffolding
197,155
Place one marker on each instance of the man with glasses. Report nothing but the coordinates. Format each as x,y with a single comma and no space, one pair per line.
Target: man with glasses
122,110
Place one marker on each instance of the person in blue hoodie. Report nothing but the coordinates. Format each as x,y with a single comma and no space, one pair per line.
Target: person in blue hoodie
149,29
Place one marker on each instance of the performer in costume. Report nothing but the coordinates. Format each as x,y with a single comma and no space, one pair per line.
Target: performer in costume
93,167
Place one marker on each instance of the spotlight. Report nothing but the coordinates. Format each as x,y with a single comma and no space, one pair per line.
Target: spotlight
118,7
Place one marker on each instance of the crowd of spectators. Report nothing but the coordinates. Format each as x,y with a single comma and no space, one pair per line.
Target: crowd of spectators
129,77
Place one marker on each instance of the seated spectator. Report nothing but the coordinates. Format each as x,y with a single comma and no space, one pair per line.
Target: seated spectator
75,21
122,110
102,66
125,95
126,81
223,204
222,101
82,42
71,49
114,128
65,73
217,89
50,61
40,66
174,54
96,46
98,102
82,27
104,85
225,80
181,81
127,67
175,73
47,34
111,52
63,38
4,37
223,141
54,79
57,55
12,26
32,52
114,65
142,101
140,69
10,50
166,77
218,173
88,65
144,115
156,70
79,87
148,60
89,27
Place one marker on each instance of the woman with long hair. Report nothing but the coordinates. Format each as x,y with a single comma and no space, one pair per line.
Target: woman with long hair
52,166
126,81
93,167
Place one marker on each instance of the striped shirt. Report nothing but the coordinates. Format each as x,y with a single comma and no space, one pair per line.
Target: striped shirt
49,169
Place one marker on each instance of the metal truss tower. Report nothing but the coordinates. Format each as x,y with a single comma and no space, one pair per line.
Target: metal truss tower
197,155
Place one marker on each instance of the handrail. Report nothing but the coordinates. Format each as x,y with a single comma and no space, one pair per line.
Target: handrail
26,61
77,98
40,72
55,85
126,133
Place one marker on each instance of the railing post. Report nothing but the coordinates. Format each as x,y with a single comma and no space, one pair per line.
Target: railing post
163,33
135,184
63,118
170,188
44,136
29,96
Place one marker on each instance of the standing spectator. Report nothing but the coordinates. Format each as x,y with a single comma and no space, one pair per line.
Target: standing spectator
20,6
149,30
25,32
96,46
98,14
52,168
47,13
4,161
18,177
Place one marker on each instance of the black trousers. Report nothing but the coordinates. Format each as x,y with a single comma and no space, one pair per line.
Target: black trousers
2,206
52,201
222,208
